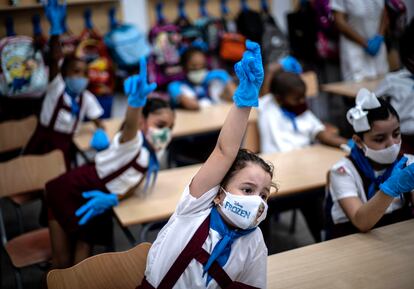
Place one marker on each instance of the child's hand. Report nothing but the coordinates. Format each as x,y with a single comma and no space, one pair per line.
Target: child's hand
374,45
291,64
137,88
250,72
401,180
56,14
99,203
100,140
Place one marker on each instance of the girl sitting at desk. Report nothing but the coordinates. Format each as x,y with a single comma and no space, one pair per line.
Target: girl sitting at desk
201,87
80,201
212,240
374,185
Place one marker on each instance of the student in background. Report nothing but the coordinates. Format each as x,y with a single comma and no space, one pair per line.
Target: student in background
285,122
201,86
206,243
399,87
80,201
362,50
67,101
373,186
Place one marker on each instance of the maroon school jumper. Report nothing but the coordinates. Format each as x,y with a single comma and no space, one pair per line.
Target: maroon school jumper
64,197
45,139
194,250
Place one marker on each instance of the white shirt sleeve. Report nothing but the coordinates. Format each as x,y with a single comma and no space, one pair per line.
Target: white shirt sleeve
316,125
255,269
338,5
385,88
190,205
93,109
342,185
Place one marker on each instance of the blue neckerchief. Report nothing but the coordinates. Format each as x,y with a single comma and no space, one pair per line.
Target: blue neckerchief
221,251
361,160
291,116
201,90
153,165
74,104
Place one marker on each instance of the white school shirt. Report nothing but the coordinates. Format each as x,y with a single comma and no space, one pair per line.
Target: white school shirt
345,182
215,89
277,133
65,120
118,155
399,86
364,16
247,262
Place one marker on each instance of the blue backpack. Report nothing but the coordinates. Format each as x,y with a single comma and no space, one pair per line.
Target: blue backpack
126,43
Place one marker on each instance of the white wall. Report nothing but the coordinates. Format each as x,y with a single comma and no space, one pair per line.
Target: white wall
135,12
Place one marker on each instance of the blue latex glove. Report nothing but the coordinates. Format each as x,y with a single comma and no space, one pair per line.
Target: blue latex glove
400,181
217,74
56,14
99,203
348,146
100,140
291,64
137,88
174,89
250,72
374,45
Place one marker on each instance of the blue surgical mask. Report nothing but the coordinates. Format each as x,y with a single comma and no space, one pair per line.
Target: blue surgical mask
75,85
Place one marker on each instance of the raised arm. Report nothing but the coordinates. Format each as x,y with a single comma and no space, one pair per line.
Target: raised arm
250,73
137,89
55,13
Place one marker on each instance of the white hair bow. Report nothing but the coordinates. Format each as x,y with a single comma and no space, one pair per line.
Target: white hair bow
357,116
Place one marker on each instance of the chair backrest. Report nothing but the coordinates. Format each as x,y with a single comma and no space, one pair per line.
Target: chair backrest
311,80
30,173
15,134
105,271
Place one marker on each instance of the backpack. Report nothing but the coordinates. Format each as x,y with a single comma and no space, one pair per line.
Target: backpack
274,42
126,43
232,46
249,23
22,72
397,14
92,49
327,36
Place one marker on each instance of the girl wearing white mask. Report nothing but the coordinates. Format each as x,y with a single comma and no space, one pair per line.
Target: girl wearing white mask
373,186
80,201
212,240
201,86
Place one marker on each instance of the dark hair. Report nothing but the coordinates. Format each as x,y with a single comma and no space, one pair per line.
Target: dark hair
407,46
283,83
380,113
67,61
188,54
154,104
242,159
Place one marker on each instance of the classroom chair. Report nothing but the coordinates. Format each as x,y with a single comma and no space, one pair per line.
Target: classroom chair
14,135
20,175
104,271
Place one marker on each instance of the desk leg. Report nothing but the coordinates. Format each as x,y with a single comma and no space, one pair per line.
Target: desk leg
128,234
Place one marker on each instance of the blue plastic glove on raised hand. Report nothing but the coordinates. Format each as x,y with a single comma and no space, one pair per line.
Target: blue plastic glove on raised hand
100,140
400,181
217,74
99,203
291,64
250,72
137,88
56,15
374,45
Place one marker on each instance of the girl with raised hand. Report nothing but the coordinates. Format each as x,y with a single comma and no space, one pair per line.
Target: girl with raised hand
212,240
373,186
81,200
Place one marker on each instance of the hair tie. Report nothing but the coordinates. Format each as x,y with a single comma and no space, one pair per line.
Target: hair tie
357,116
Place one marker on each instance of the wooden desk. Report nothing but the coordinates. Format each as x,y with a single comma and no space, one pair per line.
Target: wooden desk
350,89
295,171
380,259
186,123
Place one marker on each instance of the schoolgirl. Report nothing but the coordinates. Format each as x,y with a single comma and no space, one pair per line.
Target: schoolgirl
80,201
212,239
373,185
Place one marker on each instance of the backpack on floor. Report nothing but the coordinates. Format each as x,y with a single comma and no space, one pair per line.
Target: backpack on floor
22,72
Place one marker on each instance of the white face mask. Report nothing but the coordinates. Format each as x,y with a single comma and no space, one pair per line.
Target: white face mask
384,156
159,138
242,210
197,76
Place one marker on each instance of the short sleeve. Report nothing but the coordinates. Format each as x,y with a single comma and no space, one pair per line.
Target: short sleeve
255,270
385,88
341,183
190,205
316,125
93,110
338,5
